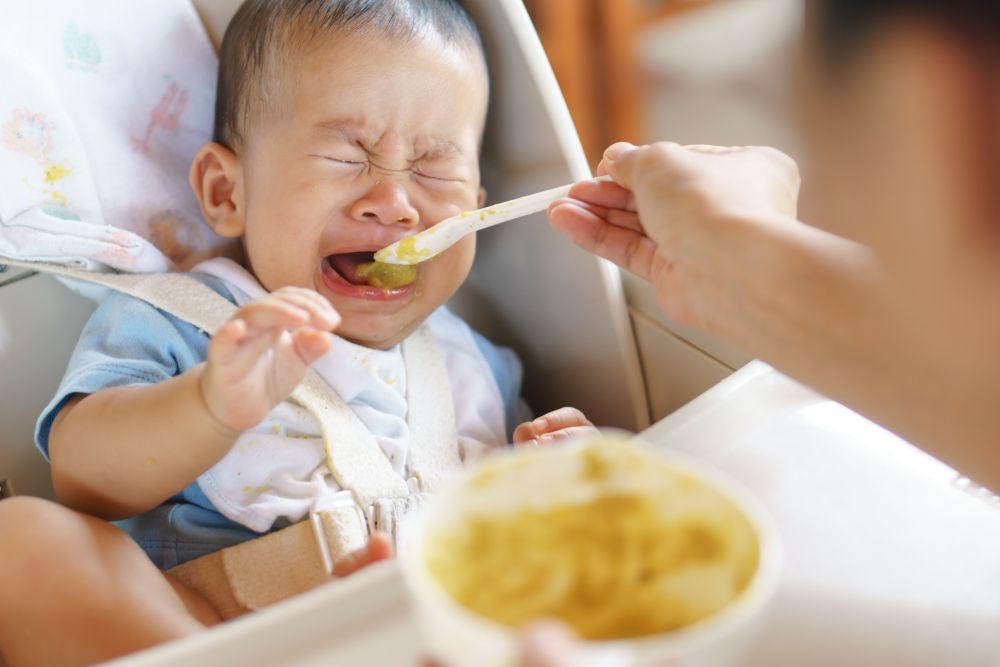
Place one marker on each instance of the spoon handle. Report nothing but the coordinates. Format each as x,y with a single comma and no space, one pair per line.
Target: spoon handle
432,242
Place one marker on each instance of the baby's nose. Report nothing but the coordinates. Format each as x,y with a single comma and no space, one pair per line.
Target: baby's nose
386,203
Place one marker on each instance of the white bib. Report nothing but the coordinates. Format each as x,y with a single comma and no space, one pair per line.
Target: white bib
278,470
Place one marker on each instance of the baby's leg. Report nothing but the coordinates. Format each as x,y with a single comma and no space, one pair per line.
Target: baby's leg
75,590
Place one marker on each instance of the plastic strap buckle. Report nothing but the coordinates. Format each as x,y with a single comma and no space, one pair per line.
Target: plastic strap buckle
329,504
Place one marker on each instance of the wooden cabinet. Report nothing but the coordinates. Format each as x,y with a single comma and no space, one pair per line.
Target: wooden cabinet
591,44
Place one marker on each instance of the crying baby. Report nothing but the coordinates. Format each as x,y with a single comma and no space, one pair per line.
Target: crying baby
337,133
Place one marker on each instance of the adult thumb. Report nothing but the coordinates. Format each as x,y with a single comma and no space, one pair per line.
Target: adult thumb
616,163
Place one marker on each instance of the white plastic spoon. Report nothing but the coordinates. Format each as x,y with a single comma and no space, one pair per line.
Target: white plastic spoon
432,242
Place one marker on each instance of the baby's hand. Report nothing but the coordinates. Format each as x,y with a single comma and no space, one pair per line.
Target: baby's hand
557,425
259,356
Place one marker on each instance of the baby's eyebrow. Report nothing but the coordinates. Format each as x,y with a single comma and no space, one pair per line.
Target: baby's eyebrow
346,129
353,131
442,149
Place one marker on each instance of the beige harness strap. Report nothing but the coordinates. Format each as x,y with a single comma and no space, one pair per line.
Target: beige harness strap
254,574
352,453
199,306
430,411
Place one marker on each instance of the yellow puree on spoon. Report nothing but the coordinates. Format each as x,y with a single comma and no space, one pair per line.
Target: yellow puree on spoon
387,276
407,251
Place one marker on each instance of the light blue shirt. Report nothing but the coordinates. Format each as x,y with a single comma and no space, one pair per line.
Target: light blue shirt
129,342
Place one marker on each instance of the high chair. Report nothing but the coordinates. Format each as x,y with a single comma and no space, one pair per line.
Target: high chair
561,309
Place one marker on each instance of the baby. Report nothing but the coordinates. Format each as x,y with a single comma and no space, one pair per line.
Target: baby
341,126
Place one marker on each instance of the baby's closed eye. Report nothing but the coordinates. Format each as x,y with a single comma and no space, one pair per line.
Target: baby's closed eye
445,178
353,162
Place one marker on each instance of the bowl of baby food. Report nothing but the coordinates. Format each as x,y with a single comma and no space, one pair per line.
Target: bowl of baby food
644,554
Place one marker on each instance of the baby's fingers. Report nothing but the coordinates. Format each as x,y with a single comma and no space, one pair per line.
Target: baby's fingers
254,329
321,314
560,419
567,434
237,350
225,344
311,344
524,433
270,313
559,424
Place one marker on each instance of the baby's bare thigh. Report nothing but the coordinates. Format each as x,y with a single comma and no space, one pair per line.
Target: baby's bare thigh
78,590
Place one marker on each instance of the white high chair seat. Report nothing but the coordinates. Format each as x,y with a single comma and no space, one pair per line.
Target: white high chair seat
102,108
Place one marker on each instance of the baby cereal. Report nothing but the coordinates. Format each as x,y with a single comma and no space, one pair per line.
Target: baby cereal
630,549
387,276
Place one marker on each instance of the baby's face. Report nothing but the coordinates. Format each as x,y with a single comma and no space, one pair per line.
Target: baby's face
366,141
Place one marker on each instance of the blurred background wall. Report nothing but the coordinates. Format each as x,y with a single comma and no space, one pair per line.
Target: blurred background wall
690,71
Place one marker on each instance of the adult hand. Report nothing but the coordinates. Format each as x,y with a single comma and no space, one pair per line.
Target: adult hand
678,215
551,644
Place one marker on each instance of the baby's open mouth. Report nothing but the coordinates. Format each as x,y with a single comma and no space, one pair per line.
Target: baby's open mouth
360,268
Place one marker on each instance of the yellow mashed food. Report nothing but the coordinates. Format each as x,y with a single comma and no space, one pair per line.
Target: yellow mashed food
618,565
387,276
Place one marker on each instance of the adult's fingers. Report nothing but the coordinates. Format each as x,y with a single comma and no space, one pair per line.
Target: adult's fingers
632,250
552,644
612,153
617,217
549,644
631,166
604,193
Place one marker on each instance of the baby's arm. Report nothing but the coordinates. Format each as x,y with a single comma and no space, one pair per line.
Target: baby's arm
121,451
556,425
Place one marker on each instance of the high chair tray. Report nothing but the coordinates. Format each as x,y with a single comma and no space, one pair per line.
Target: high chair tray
890,557
361,620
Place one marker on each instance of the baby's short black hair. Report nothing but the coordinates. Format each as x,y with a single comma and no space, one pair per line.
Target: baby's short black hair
264,29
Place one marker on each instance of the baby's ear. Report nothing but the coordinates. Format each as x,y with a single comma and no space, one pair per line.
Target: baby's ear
482,198
217,180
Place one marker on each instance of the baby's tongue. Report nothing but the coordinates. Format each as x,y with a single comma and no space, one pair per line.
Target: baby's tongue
346,264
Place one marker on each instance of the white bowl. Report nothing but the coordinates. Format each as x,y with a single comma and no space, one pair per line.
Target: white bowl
459,637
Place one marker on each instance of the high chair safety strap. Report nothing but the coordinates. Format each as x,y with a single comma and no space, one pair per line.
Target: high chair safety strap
252,575
356,463
431,411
